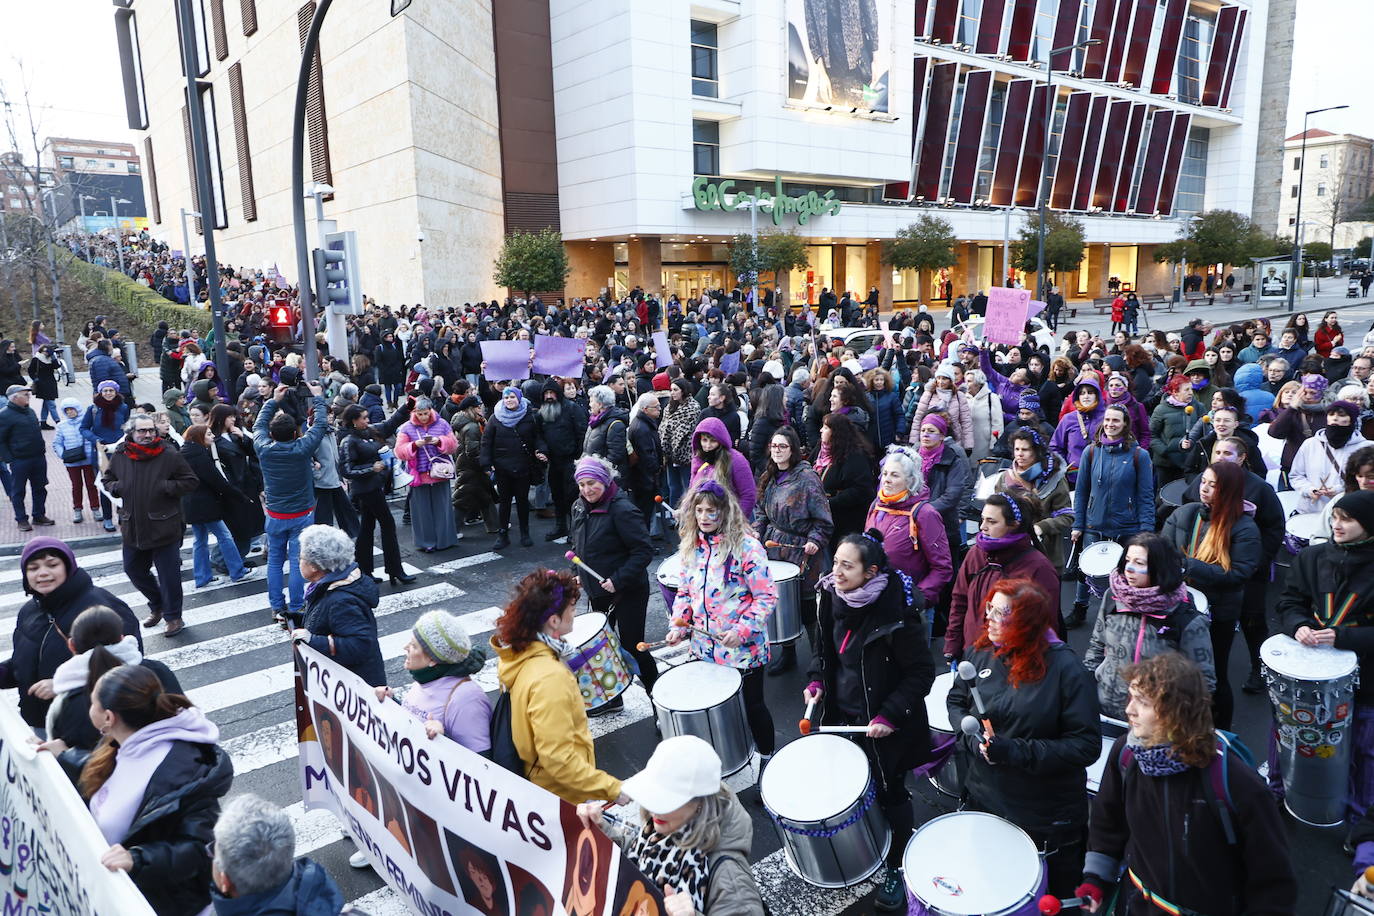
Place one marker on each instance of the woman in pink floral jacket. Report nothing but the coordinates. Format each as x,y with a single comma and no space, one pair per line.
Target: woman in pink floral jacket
725,596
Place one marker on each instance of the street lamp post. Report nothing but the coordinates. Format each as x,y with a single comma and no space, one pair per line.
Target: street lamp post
85,230
1045,159
186,244
119,233
307,299
1297,216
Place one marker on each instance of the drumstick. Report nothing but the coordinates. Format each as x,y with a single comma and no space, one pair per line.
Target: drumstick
1369,874
804,726
682,622
1050,905
671,510
783,544
841,729
578,560
648,646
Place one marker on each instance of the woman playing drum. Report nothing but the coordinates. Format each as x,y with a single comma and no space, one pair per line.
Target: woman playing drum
793,514
1221,548
725,596
873,668
1156,814
1146,611
1114,495
1040,728
1328,600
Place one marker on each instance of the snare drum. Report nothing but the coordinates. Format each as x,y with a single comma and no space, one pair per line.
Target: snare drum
669,576
600,671
1313,692
1111,730
784,624
1199,601
1301,529
1100,559
820,794
1172,493
946,778
972,864
704,699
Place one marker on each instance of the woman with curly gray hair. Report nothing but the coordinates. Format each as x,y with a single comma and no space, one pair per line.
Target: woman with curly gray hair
338,618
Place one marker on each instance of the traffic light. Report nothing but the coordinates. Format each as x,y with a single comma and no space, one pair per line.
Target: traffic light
281,316
337,285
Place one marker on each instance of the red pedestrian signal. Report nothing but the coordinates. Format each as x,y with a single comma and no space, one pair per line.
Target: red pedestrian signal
281,316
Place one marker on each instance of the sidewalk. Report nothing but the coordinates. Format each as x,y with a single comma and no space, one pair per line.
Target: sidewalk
147,389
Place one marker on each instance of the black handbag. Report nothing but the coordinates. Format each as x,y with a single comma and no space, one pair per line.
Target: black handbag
503,750
74,455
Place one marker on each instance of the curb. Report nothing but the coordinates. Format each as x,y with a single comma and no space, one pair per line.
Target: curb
99,540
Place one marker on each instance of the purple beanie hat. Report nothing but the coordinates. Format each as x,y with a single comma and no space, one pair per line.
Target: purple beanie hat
592,469
46,545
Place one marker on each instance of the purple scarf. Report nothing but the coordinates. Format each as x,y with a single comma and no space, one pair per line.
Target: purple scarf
1148,600
992,544
862,596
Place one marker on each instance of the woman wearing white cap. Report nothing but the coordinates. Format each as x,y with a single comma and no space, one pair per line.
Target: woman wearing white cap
441,659
695,839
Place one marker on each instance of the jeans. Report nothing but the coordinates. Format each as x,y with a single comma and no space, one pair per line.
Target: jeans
33,473
392,393
679,476
163,592
200,552
49,409
284,546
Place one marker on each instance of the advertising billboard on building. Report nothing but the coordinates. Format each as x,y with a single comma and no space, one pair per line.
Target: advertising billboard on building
839,53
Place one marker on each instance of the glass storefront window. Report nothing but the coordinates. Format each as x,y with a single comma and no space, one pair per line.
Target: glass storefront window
1122,264
805,285
856,271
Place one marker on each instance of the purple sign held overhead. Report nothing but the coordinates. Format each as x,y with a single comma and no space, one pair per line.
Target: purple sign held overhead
507,360
729,363
560,356
663,356
1006,319
1036,307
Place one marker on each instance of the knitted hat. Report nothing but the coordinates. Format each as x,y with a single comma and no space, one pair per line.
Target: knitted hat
1317,383
937,421
1346,407
441,635
107,385
945,371
1359,505
591,468
1029,401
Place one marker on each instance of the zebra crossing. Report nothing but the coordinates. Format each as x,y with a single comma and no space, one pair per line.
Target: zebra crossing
236,666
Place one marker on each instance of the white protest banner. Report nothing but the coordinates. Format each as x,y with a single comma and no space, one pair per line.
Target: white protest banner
1006,318
50,846
447,829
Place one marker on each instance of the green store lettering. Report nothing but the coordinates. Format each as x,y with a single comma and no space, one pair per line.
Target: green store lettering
711,195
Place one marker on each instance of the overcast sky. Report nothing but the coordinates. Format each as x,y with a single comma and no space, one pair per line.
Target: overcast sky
68,54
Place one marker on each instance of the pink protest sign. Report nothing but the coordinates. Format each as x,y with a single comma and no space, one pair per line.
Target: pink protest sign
1006,320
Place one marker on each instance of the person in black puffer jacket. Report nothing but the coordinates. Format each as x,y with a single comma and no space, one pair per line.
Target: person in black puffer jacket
607,429
338,618
206,507
361,455
163,840
646,461
1040,733
845,464
513,447
872,667
61,591
563,426
390,362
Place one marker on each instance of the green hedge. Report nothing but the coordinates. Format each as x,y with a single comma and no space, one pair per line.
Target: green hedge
132,298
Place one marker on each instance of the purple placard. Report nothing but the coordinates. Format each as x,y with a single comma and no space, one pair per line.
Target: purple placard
1006,320
1036,307
507,360
868,360
560,356
663,355
729,363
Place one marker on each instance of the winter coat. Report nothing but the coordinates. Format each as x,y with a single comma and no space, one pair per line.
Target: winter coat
175,822
150,493
897,670
39,644
849,486
208,501
986,420
1115,493
10,371
1166,830
1054,727
1323,577
360,450
549,724
1326,338
563,438
979,572
1140,418
340,609
21,437
1168,425
68,436
1296,426
1122,637
730,418
372,403
606,437
308,892
240,464
1249,380
887,416
1056,504
675,430
288,467
1075,432
793,509
1186,527
741,477
648,460
719,592
44,375
1269,516
956,410
950,482
613,538
1313,467
915,542
390,363
760,434
69,718
96,430
511,449
105,368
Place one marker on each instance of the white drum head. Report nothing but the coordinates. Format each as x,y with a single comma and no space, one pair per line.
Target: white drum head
782,571
669,572
1199,601
1289,500
1101,558
937,712
813,778
968,863
1306,526
696,686
1099,766
1286,656
585,628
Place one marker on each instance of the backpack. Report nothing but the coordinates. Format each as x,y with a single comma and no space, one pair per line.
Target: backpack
503,751
1217,784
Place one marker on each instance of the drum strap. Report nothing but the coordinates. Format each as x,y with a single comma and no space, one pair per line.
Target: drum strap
1172,909
1334,616
587,654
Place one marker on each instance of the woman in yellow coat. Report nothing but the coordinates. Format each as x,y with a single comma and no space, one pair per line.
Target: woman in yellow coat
548,717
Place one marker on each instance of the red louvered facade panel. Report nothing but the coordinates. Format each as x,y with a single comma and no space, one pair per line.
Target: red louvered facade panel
1147,197
1092,148
945,20
1022,30
1139,46
1104,13
1121,34
968,147
931,161
1070,149
1168,183
1220,59
990,27
1010,143
1117,115
1129,153
1235,56
1167,54
1033,151
1065,28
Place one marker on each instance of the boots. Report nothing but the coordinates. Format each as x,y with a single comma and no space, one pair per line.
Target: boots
525,540
502,539
560,528
1076,616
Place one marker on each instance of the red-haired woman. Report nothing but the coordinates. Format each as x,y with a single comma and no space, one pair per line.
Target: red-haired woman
1040,732
1221,549
1156,812
548,716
